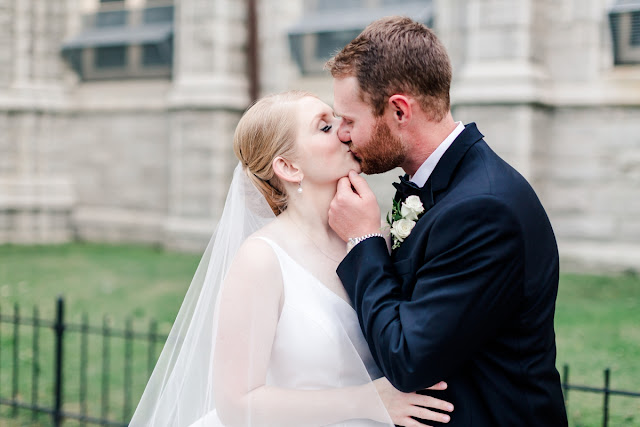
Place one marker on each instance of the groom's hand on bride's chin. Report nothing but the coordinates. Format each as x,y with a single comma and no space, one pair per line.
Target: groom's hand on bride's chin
354,210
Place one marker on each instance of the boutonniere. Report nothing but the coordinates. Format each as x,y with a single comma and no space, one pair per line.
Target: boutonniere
403,218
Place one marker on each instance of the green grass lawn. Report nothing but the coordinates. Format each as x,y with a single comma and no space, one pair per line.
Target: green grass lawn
109,285
597,326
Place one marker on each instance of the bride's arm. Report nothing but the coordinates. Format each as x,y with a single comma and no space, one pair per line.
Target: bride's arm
250,305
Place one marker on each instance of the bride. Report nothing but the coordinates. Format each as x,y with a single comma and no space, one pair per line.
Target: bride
266,334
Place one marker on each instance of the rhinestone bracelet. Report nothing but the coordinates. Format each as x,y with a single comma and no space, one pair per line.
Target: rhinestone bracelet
353,241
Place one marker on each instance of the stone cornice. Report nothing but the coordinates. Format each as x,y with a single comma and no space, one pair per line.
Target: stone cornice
210,92
33,98
512,83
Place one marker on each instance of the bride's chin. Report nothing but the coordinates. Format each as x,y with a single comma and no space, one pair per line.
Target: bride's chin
355,168
354,165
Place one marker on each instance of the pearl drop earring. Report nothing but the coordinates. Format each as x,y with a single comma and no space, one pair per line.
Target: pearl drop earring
300,186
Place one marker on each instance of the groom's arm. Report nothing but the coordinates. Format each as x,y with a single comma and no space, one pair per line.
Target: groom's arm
468,283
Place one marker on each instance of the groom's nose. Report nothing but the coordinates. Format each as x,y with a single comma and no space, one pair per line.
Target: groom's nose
344,134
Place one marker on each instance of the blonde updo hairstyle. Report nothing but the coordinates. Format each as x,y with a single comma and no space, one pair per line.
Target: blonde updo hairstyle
265,131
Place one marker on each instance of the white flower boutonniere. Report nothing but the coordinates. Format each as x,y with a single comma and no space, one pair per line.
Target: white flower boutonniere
403,218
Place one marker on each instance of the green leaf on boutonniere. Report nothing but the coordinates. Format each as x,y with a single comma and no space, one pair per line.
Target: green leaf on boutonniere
396,211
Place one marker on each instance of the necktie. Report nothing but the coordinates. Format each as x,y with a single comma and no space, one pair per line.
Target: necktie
406,188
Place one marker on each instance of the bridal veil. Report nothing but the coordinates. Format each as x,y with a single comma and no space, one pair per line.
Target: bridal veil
180,391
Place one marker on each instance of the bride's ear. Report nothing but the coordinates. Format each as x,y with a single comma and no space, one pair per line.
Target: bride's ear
287,171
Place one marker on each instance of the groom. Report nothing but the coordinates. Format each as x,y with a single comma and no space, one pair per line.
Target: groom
468,294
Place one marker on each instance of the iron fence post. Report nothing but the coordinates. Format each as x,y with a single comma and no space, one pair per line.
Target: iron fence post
151,356
605,408
128,355
16,365
35,368
58,328
84,329
104,411
565,386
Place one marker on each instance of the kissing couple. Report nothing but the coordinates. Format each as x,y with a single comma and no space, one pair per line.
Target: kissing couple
305,311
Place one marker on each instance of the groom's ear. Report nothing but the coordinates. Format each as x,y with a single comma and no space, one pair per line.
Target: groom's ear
286,170
400,107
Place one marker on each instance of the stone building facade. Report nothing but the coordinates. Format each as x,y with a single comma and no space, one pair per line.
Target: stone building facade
142,154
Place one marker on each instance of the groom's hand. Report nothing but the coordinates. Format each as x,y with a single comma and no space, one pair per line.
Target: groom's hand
354,211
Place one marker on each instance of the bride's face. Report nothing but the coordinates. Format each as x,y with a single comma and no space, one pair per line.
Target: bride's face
322,156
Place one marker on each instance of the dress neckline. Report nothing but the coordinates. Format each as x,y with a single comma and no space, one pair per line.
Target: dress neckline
317,281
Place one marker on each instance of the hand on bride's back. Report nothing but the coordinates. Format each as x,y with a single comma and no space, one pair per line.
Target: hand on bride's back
402,406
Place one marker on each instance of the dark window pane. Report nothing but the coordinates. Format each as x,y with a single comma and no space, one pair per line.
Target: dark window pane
296,45
635,28
158,14
328,5
154,54
111,18
394,2
110,57
327,44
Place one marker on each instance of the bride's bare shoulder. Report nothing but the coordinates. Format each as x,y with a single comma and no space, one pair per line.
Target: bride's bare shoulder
256,255
254,275
257,261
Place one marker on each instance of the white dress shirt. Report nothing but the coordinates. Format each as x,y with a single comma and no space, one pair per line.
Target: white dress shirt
424,172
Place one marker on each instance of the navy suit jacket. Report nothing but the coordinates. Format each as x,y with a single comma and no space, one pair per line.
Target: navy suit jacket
469,297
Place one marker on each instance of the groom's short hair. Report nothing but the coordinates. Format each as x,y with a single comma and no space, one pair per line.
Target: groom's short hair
397,55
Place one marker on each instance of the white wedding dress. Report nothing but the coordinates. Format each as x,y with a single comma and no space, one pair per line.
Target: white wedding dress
318,342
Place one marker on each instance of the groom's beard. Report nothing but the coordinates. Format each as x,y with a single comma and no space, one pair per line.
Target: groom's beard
382,152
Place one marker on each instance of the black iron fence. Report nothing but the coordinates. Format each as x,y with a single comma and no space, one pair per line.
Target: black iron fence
54,401
606,392
74,377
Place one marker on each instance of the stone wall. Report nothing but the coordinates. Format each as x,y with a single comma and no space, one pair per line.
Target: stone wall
120,160
120,163
150,161
210,90
539,79
592,179
36,194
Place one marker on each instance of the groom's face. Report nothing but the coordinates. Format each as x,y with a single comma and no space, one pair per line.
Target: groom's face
369,138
